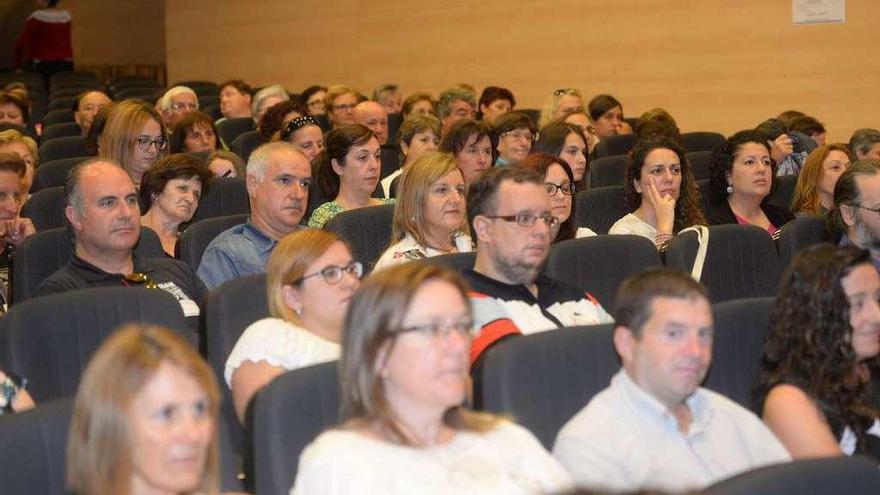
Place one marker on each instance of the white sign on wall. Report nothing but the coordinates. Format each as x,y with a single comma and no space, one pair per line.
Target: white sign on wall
818,11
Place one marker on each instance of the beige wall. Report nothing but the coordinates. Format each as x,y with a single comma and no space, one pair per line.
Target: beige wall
715,64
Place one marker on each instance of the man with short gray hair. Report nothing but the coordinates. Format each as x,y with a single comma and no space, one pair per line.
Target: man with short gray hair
456,104
865,144
177,103
856,207
278,181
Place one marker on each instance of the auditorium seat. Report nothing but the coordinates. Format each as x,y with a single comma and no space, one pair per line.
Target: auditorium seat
58,117
367,231
245,144
45,207
614,145
229,129
63,147
800,233
599,264
700,162
598,208
854,475
702,141
54,173
456,261
782,191
225,196
34,446
608,171
198,235
289,413
61,103
741,261
63,129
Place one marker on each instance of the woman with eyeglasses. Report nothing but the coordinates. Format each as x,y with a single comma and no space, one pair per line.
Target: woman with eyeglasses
560,185
404,379
660,192
133,136
305,134
566,141
516,132
429,216
310,278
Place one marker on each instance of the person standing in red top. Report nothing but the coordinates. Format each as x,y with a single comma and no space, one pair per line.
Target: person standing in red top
45,41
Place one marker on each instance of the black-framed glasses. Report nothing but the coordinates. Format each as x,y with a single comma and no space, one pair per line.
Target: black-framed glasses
527,219
140,278
563,91
145,142
872,210
566,187
333,274
443,330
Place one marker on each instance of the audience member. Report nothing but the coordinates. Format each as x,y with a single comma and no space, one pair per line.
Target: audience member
654,427
194,133
44,43
224,163
660,192
863,145
145,418
420,103
235,99
313,99
403,377
494,102
657,121
102,208
176,103
511,220
278,182
347,171
856,207
787,147
566,141
820,355
310,278
14,396
814,193
13,229
169,196
14,109
789,115
388,95
429,216
87,105
418,135
456,104
516,132
304,133
265,99
563,101
581,119
560,186
809,126
133,136
340,102
607,116
276,118
471,144
12,141
374,117
742,173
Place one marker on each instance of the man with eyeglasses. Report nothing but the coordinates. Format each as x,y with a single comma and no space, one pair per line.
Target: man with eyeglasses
102,208
509,212
856,210
278,181
87,105
516,132
177,103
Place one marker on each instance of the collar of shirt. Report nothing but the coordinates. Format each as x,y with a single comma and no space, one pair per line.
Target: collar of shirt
261,241
649,408
95,275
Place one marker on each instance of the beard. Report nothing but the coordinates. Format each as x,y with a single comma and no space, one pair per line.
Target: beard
516,270
866,237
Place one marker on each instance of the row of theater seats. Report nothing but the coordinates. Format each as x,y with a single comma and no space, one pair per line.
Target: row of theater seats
541,380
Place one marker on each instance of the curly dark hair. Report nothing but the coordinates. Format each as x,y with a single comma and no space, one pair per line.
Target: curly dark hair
187,123
809,340
722,163
272,121
540,162
687,208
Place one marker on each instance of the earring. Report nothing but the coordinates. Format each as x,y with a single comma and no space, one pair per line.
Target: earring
730,189
298,311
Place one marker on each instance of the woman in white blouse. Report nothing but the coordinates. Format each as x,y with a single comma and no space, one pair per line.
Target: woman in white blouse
404,377
429,217
310,278
660,192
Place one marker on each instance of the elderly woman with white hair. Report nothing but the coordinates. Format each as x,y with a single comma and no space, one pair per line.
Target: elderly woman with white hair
266,98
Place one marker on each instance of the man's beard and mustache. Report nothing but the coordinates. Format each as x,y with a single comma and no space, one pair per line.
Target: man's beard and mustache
518,271
866,237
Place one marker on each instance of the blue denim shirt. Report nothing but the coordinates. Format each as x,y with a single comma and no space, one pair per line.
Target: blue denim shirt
239,251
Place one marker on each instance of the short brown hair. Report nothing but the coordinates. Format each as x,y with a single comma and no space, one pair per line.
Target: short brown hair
633,304
10,162
410,101
18,99
176,166
99,460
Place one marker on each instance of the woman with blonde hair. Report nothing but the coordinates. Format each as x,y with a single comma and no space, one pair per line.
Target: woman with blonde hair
310,278
814,193
429,216
144,418
133,136
12,141
563,101
403,379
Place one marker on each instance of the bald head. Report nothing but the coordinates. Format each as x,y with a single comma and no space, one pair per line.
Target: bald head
373,115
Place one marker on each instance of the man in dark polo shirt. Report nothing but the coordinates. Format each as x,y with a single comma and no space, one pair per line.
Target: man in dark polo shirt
102,208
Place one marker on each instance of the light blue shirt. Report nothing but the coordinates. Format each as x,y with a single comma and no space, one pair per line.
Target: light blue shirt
236,252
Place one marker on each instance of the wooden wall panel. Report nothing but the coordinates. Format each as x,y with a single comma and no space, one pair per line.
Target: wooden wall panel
129,32
714,64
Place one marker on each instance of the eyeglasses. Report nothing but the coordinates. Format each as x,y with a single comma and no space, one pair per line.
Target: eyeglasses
333,274
345,106
562,91
567,188
316,103
528,136
440,330
144,143
872,210
527,219
141,279
183,106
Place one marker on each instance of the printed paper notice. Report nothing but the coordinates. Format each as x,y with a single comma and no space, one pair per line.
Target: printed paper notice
818,11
